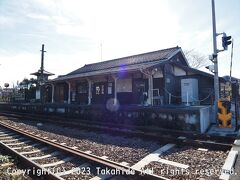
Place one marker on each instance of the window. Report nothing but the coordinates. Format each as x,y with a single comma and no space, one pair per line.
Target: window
73,96
102,89
155,92
97,90
82,88
110,85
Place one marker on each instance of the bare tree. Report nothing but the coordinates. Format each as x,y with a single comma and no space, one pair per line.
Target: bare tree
195,59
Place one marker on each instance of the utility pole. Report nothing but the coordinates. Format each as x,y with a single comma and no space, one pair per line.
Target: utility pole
42,76
215,61
42,62
231,63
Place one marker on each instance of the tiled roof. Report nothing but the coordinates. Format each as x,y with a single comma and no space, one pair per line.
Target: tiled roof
108,70
126,61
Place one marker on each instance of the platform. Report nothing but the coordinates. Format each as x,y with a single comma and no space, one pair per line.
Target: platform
236,175
215,130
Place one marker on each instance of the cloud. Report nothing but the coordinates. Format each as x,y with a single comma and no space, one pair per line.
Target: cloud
38,16
16,67
72,31
6,21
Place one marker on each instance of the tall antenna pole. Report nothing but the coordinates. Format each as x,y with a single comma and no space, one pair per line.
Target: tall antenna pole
231,62
101,50
215,61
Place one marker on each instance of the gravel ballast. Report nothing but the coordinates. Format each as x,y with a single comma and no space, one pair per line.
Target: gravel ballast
116,148
202,164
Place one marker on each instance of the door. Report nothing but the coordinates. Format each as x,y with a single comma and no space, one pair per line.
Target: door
140,91
82,93
99,93
61,93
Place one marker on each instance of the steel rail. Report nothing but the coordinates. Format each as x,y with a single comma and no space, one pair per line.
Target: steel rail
31,167
97,160
152,136
103,125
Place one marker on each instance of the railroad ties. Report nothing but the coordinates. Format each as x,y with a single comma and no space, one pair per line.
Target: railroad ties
60,161
178,160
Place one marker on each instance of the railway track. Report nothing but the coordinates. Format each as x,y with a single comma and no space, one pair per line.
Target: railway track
176,153
49,159
178,137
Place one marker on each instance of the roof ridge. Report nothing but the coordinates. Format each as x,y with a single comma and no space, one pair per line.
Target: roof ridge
131,56
127,65
133,59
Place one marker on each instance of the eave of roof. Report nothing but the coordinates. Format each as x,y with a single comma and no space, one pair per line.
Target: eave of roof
119,70
233,79
193,70
144,60
44,72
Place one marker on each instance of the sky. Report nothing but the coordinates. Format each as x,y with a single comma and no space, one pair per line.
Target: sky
79,32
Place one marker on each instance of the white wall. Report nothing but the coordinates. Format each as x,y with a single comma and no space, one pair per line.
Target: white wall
178,71
99,79
204,118
158,74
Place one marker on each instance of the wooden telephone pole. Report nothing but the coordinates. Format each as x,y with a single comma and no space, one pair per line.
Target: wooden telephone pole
42,75
42,63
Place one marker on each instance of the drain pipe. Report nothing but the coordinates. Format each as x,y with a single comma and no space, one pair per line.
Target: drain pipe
187,100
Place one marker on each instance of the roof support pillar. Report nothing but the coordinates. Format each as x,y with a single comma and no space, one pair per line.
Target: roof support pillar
53,93
149,73
69,92
115,89
89,91
150,89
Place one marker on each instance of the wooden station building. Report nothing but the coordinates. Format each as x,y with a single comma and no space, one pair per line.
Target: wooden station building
152,78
